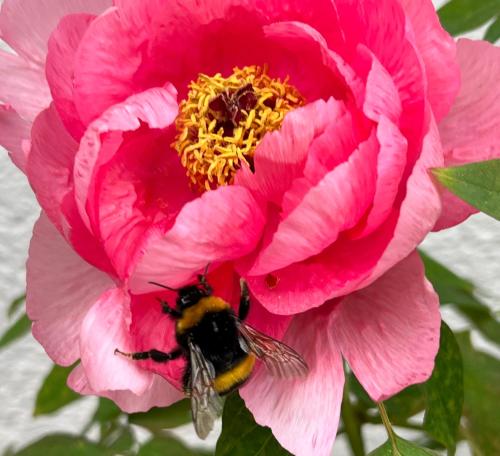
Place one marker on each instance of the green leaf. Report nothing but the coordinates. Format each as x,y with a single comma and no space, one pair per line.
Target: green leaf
54,393
64,445
120,441
242,436
459,292
482,390
493,33
405,449
166,445
477,183
158,419
17,330
106,411
445,392
459,16
15,305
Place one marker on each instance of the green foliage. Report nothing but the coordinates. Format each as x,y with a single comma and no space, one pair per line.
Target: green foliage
242,436
166,445
493,33
476,183
64,445
54,393
482,390
158,419
15,305
404,448
445,392
459,292
17,330
460,16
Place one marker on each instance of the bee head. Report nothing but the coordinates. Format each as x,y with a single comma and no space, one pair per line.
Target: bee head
190,295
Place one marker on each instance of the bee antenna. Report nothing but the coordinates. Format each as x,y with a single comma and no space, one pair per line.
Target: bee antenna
205,272
164,286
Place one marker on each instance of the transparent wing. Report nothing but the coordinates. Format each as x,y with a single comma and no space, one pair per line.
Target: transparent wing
281,360
206,404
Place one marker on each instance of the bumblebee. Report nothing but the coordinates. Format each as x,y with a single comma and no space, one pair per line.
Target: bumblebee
220,349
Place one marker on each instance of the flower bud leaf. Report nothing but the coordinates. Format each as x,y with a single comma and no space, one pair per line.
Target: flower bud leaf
405,449
158,419
445,392
17,330
459,16
242,436
493,33
477,183
64,445
170,446
54,393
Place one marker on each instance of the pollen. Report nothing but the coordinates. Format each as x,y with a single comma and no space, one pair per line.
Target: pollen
223,120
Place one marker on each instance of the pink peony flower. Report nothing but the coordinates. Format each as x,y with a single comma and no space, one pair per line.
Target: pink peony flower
286,142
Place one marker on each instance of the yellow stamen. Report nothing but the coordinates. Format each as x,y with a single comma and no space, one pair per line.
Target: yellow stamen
224,119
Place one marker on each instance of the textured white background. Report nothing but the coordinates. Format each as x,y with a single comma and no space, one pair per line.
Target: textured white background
471,249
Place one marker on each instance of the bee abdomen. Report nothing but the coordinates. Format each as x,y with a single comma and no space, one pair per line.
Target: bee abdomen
235,376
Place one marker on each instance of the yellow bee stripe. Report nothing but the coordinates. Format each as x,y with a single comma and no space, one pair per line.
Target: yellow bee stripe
193,315
234,377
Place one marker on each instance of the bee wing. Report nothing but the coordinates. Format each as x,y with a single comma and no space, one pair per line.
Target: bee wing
206,404
280,359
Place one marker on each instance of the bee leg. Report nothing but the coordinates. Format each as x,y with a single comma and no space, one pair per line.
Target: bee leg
202,278
168,310
244,301
155,355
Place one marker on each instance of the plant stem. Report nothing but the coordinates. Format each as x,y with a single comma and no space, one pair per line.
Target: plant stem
388,428
352,426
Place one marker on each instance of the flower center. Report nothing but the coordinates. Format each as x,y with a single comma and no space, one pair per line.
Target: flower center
223,120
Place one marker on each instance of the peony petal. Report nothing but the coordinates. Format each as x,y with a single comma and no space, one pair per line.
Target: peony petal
219,226
61,289
303,413
156,107
419,210
23,87
159,394
14,136
104,329
438,51
389,332
312,226
62,48
471,133
39,17
281,156
390,168
49,170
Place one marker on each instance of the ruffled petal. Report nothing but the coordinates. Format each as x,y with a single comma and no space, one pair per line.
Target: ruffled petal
303,413
104,329
156,107
439,53
313,225
219,226
159,394
470,133
280,157
389,332
15,134
23,87
61,289
62,48
27,24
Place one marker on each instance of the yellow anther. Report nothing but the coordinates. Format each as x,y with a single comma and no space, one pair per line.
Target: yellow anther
224,119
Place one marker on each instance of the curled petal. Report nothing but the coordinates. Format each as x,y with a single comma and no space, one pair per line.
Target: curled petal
61,289
15,133
104,329
39,17
159,394
302,413
389,332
